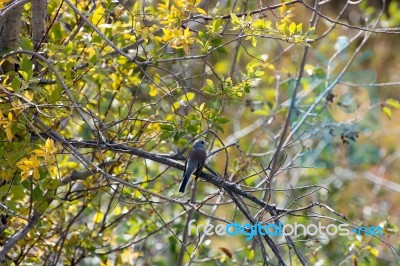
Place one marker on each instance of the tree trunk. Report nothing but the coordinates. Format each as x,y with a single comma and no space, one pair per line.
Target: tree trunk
39,13
10,22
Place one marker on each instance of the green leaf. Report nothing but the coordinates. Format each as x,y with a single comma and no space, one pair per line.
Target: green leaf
167,127
16,84
50,183
26,68
216,25
219,128
4,190
299,27
235,19
56,94
192,128
18,192
26,44
37,194
201,34
222,120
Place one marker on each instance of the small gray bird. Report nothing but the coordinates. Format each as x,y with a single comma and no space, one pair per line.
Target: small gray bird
194,162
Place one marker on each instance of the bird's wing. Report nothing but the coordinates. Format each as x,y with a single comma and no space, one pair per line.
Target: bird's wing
190,167
184,170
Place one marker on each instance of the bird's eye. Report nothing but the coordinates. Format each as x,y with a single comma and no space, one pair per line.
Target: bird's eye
202,142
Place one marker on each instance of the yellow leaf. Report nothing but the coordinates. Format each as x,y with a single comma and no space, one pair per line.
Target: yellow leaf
153,91
282,9
117,210
28,96
260,73
24,175
235,19
39,152
201,107
49,146
373,251
2,2
9,134
98,217
98,15
250,255
254,41
299,27
387,112
261,112
394,103
201,11
36,174
292,28
29,167
188,96
175,106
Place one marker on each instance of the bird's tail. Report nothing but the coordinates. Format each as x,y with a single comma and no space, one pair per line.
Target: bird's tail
184,183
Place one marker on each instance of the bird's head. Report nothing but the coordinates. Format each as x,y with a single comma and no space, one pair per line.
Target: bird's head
199,144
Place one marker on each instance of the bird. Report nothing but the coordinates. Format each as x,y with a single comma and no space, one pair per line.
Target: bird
194,162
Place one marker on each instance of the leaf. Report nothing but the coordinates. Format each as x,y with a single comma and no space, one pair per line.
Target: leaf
193,128
394,103
216,25
282,9
222,120
2,2
50,183
49,146
292,28
26,66
18,192
188,96
37,195
254,41
175,106
250,254
306,84
201,11
227,251
4,190
235,19
259,73
299,27
387,112
98,15
153,90
261,112
201,107
56,94
167,127
373,251
98,217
